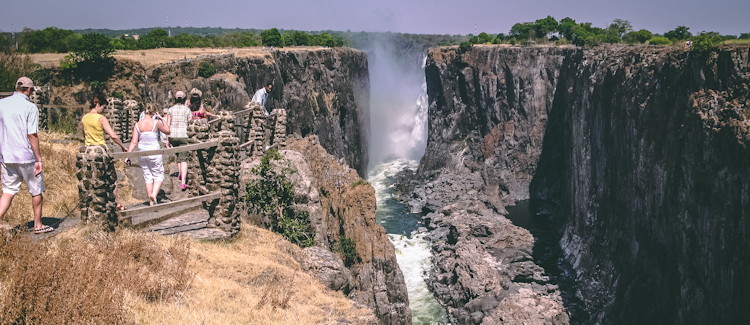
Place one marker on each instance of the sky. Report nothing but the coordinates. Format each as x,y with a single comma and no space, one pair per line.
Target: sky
407,16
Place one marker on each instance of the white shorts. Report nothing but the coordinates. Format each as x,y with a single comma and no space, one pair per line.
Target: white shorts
13,174
152,167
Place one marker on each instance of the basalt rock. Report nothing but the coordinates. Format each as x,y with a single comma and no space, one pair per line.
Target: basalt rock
340,207
325,91
639,155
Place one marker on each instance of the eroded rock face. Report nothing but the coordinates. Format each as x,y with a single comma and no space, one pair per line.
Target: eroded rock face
647,154
488,113
325,91
340,206
640,157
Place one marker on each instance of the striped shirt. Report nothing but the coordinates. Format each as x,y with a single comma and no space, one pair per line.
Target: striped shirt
180,115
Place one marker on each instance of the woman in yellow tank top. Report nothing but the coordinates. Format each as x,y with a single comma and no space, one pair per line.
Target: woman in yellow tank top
95,125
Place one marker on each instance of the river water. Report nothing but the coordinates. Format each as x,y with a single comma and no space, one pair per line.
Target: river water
412,250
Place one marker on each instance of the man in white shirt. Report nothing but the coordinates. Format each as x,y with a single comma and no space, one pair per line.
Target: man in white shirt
21,159
261,95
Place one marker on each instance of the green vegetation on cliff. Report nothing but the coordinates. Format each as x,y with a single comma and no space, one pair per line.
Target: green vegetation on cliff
271,195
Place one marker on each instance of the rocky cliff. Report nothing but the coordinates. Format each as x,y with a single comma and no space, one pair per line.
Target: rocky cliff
488,112
638,156
325,91
647,156
341,207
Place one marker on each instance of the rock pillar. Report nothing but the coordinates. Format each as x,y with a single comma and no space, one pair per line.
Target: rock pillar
224,178
278,137
256,132
96,187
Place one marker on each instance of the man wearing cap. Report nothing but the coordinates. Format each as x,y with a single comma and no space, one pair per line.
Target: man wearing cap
20,158
261,96
178,117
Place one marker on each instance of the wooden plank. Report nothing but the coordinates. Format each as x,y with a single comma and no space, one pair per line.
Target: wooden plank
173,150
50,106
238,113
246,143
169,205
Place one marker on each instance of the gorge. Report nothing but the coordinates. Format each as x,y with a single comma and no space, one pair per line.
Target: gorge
635,159
632,159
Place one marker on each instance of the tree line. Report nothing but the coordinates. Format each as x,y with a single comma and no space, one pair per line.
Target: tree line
57,40
568,31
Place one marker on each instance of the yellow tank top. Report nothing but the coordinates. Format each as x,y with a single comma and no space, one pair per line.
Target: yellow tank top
93,130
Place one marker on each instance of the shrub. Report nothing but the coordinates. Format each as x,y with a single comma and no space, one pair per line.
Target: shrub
464,46
206,69
706,41
271,37
271,196
348,249
659,40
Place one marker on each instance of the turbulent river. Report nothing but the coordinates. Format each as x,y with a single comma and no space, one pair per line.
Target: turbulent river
412,250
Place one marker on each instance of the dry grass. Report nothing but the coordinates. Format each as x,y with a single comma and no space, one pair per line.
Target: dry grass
84,276
87,278
252,280
154,57
59,171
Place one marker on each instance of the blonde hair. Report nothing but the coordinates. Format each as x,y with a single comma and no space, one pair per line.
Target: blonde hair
151,109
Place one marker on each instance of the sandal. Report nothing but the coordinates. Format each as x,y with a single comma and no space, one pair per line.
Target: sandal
42,230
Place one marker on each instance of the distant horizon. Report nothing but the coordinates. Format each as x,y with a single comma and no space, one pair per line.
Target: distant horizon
728,17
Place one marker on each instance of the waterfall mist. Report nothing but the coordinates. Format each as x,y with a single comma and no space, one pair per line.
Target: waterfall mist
398,101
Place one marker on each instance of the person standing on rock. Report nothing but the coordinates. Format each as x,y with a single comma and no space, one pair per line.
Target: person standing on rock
20,156
146,137
261,95
177,119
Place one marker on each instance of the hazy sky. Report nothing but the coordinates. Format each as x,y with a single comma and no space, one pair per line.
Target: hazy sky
411,16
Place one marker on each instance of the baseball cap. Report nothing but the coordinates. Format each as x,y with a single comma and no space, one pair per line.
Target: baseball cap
24,82
195,91
179,94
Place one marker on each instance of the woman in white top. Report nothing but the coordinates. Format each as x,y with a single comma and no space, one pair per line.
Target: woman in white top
146,137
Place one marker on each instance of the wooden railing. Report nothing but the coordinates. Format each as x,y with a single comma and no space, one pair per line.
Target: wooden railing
166,151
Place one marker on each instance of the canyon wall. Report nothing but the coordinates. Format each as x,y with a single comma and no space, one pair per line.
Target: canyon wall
646,154
487,115
636,157
325,91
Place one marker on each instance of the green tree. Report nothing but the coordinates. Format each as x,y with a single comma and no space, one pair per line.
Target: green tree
744,36
297,38
706,41
620,27
544,26
93,47
522,31
640,36
566,27
679,33
155,38
271,37
499,39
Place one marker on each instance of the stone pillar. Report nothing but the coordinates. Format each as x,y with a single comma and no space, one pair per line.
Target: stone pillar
39,97
257,130
278,138
114,113
198,166
96,187
131,110
224,177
